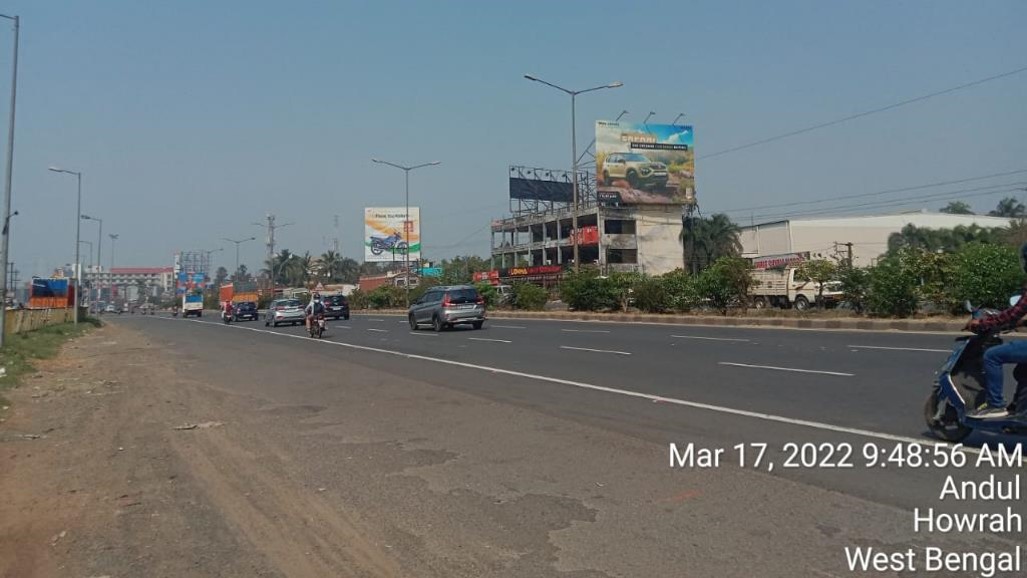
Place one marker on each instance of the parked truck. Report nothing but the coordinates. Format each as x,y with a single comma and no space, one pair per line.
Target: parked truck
192,303
785,289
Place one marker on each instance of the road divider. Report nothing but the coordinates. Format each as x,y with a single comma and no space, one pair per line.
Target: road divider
586,330
899,348
487,339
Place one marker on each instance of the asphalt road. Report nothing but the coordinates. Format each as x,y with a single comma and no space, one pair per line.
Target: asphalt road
653,385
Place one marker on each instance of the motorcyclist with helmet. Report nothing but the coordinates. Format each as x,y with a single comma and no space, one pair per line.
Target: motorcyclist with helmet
314,308
1011,352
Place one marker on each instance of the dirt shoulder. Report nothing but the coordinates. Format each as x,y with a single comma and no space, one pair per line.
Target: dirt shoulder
102,473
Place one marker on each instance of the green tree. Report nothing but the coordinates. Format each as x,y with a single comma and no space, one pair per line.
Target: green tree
329,266
652,296
623,286
726,283
892,288
855,284
985,274
242,275
957,208
1009,207
683,290
713,238
820,271
587,291
349,270
220,276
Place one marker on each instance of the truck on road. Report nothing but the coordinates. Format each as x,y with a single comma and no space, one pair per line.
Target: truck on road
785,288
192,303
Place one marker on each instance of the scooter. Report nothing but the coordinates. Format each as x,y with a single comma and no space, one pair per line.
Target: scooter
960,389
226,317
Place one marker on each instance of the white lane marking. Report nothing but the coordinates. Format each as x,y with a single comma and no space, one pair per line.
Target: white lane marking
625,392
899,348
342,326
379,320
379,330
708,338
424,334
487,339
586,330
792,369
594,350
507,326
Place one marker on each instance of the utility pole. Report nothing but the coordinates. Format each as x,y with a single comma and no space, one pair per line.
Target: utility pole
335,244
271,227
4,247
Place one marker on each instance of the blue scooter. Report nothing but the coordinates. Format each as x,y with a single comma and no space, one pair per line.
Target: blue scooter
960,389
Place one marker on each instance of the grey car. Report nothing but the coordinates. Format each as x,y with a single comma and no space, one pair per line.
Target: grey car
446,306
284,311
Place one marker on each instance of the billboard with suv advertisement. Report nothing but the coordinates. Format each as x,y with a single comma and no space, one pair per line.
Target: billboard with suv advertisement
644,163
385,237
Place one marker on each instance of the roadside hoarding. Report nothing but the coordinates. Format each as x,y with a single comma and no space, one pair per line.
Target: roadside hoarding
385,237
779,261
644,163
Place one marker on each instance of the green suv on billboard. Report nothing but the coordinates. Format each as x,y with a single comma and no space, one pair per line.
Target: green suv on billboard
636,169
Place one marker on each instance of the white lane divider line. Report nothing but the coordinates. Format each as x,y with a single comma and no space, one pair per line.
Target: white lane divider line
792,369
492,340
595,350
379,330
710,338
378,320
899,348
342,326
420,334
928,442
586,330
508,326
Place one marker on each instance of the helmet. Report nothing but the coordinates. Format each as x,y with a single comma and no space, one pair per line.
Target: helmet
1023,257
317,296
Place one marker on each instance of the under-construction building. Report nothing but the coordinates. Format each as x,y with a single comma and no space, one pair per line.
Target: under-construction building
613,235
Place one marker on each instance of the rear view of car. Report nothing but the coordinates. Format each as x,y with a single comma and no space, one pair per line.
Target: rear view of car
284,311
448,306
246,310
336,307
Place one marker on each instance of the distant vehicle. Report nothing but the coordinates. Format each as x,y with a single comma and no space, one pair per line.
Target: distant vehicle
192,304
284,311
637,169
246,310
447,306
505,293
336,306
110,309
784,288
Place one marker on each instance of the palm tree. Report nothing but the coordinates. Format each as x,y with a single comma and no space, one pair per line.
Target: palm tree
713,238
330,265
278,264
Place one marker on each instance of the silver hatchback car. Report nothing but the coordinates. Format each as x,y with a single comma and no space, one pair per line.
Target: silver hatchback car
446,306
284,311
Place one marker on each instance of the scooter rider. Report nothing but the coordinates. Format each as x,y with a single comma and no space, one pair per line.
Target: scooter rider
314,308
1009,352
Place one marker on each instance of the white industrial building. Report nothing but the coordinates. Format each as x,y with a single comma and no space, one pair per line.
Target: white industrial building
828,237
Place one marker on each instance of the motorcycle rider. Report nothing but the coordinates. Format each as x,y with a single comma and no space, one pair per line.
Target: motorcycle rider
314,308
227,310
1009,352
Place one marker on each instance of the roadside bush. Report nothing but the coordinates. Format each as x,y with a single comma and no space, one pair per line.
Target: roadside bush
489,294
423,286
892,289
726,283
652,296
587,291
358,299
529,296
682,290
987,275
855,284
386,297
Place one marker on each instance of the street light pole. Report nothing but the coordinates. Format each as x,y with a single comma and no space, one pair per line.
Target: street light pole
113,237
237,243
574,153
88,298
99,263
407,225
78,231
4,243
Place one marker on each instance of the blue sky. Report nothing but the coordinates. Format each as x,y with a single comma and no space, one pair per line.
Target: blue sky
192,119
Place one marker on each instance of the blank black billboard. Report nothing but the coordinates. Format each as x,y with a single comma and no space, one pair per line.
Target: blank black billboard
539,190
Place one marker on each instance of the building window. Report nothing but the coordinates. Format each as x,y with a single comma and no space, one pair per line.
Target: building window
622,256
619,227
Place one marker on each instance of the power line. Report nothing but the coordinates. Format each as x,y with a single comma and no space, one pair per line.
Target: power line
877,193
862,114
944,196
